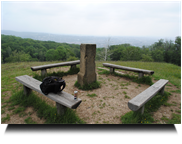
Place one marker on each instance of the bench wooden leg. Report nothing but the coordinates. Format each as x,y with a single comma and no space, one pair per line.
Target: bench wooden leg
141,110
26,90
162,90
73,66
140,75
111,70
43,72
60,108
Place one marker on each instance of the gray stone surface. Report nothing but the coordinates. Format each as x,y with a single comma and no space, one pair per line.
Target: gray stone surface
87,72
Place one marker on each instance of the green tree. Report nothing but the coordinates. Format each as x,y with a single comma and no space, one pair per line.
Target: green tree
60,53
157,55
18,57
50,55
147,58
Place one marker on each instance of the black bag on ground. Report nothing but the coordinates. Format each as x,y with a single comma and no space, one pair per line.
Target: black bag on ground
52,84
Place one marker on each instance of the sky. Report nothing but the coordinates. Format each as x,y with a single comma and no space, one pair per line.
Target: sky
95,18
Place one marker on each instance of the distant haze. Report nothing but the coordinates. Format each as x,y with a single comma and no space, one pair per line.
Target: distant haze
138,19
100,41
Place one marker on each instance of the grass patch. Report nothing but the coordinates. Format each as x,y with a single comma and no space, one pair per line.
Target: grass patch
91,95
29,121
5,118
127,96
44,110
11,108
169,104
71,71
2,111
176,91
144,80
91,86
176,119
19,110
151,106
124,92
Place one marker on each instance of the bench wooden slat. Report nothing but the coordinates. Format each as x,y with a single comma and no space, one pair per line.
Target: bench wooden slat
62,97
35,68
137,102
128,68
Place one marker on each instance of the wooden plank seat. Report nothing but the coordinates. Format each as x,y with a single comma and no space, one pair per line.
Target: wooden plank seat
44,67
138,102
63,100
140,72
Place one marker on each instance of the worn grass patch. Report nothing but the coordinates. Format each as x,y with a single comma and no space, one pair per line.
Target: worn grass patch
92,95
71,71
91,86
151,106
44,110
144,80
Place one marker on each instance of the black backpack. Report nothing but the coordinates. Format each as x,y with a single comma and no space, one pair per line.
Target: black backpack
52,84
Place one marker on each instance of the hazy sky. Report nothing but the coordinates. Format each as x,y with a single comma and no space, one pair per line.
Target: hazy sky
119,18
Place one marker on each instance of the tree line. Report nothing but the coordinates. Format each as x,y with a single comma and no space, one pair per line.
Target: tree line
161,51
16,49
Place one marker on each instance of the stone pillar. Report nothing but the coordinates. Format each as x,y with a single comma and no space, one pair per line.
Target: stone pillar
87,72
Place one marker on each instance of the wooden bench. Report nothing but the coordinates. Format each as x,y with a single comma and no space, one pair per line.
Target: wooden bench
44,67
138,102
140,72
63,100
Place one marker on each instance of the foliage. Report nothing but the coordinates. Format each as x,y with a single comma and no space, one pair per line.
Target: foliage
147,58
72,58
158,52
18,57
91,86
35,50
151,106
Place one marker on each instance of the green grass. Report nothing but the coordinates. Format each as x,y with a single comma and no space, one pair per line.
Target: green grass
176,119
59,74
29,121
5,118
93,85
176,91
143,80
10,70
127,96
151,106
43,109
167,71
92,95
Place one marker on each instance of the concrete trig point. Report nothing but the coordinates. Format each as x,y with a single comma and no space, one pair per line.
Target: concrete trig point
87,72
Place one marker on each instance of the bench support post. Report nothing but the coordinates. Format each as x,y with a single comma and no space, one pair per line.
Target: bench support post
111,70
140,75
26,90
141,110
162,90
73,66
43,72
60,108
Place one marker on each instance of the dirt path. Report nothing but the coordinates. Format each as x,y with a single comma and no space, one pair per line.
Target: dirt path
108,104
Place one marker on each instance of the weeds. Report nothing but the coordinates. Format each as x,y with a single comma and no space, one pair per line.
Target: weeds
5,118
151,106
91,95
43,109
29,121
91,86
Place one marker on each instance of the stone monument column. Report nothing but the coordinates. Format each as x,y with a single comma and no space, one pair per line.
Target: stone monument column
87,72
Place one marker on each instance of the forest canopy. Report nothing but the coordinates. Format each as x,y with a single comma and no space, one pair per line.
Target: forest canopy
16,49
